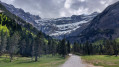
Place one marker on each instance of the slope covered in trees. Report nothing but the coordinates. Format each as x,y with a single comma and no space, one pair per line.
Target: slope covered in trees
20,38
25,40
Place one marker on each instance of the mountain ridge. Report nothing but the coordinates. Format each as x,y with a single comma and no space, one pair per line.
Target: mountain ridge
55,27
60,27
26,16
103,26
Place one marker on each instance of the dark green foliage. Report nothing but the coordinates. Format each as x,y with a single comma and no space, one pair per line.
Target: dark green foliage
38,44
76,48
3,42
18,39
13,45
50,46
62,48
101,49
68,47
116,47
108,47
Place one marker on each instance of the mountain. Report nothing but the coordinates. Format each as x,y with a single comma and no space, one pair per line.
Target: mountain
103,26
15,23
58,27
64,26
26,16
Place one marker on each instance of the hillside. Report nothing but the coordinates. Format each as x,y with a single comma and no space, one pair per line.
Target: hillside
103,26
13,30
17,20
26,16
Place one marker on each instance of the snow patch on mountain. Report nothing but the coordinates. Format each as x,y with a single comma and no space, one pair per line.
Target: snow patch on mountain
67,28
64,26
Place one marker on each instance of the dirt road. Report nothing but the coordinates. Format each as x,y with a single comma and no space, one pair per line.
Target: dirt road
74,61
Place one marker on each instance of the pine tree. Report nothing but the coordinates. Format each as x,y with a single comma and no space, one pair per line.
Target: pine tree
59,48
90,49
23,47
13,45
53,48
109,48
116,48
63,48
76,48
32,52
87,48
68,47
3,42
49,46
38,45
101,49
0,44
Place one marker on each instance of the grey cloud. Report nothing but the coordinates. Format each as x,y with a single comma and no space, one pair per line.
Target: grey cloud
45,8
59,8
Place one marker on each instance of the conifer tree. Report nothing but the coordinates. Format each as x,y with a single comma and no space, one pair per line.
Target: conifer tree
13,45
63,47
3,42
50,46
23,47
53,48
116,48
0,44
109,48
38,45
68,47
101,49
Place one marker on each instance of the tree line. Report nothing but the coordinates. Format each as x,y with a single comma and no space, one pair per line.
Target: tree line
28,46
105,47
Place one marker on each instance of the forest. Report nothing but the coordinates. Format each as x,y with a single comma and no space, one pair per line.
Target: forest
102,47
26,41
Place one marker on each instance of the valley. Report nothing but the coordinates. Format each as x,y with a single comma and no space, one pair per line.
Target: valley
63,37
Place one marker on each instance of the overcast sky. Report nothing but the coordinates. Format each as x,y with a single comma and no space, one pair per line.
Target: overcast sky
60,8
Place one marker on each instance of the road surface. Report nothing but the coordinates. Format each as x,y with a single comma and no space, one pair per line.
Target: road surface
74,61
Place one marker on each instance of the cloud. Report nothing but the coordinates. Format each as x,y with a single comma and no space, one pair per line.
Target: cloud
60,8
68,4
8,1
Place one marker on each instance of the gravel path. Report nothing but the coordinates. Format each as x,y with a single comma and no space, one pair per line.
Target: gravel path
74,61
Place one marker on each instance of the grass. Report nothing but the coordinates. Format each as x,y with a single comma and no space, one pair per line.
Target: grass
45,61
102,60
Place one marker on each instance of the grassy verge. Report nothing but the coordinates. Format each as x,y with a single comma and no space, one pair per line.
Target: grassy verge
45,61
102,60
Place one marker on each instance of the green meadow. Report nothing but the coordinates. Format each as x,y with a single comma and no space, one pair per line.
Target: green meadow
102,60
44,61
